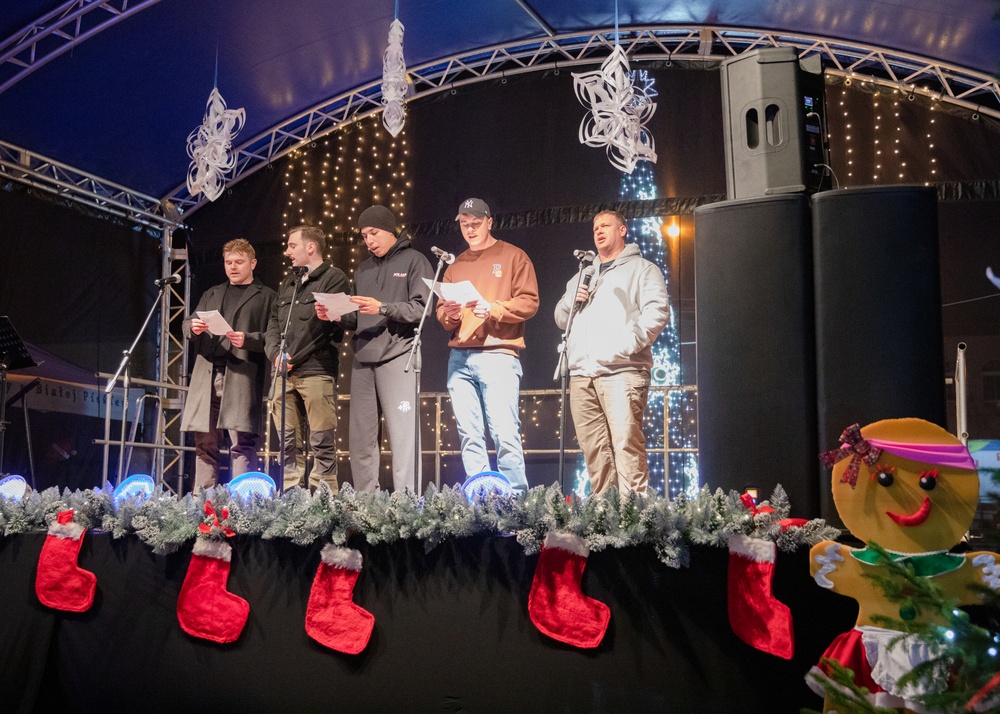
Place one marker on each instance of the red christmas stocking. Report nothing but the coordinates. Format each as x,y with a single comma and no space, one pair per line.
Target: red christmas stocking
205,608
60,583
332,617
755,615
556,604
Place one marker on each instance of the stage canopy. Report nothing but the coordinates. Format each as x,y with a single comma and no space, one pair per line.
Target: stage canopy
113,87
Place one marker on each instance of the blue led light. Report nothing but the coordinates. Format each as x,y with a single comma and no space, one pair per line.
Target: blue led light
250,484
480,485
12,488
137,486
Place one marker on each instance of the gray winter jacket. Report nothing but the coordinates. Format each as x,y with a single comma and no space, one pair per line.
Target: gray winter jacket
615,329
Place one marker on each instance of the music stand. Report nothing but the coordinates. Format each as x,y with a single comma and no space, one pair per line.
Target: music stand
13,355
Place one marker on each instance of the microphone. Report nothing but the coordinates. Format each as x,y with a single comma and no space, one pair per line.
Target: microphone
584,254
449,258
172,280
588,278
300,270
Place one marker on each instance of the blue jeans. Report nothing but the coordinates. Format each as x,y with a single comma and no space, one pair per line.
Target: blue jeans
487,384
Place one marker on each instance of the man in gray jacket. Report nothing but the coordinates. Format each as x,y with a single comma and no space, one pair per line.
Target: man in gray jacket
390,296
230,371
609,354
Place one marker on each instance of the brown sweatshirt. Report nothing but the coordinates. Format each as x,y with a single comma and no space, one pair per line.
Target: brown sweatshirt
504,276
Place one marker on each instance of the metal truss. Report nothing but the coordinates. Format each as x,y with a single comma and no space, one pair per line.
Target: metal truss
70,184
172,362
911,74
57,32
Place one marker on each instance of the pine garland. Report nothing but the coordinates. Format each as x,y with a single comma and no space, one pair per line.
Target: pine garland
165,522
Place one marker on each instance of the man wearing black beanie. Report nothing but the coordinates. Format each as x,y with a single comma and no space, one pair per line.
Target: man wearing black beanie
390,296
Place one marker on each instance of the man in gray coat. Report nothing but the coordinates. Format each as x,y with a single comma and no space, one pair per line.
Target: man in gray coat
227,383
609,352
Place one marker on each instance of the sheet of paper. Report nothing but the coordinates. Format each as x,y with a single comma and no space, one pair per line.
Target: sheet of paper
217,324
336,303
463,292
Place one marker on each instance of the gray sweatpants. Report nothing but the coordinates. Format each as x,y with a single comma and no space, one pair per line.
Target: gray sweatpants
386,391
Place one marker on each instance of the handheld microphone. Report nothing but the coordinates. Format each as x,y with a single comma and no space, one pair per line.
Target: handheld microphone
587,278
172,280
584,254
449,258
300,270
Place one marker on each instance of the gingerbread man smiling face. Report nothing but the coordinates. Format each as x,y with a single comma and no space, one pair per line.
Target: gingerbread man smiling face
918,496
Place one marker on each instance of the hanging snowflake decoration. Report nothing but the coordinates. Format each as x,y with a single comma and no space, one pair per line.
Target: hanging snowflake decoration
394,80
618,114
210,147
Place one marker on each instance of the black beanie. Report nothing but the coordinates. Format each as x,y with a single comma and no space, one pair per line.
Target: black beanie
377,217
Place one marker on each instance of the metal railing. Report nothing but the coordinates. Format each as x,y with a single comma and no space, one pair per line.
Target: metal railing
438,421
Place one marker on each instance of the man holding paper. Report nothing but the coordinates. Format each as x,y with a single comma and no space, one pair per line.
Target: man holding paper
487,336
227,383
391,295
312,358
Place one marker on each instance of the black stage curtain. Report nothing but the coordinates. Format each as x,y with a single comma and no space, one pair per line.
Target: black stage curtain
451,634
76,285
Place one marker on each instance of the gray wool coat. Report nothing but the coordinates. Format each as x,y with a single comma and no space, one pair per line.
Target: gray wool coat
241,406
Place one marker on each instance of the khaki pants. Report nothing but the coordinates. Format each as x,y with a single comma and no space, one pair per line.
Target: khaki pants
310,406
607,413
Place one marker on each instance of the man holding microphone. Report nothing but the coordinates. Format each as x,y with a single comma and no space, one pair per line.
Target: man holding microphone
609,352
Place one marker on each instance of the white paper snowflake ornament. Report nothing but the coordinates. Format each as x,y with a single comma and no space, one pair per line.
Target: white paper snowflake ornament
394,81
210,147
618,112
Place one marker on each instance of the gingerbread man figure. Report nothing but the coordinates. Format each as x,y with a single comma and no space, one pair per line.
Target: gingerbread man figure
912,488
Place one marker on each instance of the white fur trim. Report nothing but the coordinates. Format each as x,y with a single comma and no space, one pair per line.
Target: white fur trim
218,549
339,557
757,550
566,541
69,530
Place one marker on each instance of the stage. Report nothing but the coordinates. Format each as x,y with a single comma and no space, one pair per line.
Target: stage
452,633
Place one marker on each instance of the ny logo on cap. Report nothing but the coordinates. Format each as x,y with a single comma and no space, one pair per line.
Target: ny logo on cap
468,204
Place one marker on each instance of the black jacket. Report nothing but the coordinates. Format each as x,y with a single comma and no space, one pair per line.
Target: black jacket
395,281
313,345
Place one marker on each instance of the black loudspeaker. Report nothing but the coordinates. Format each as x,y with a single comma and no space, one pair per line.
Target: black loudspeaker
773,123
756,362
878,310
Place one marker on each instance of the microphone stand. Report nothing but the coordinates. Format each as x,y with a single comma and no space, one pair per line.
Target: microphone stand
414,361
284,381
123,372
562,374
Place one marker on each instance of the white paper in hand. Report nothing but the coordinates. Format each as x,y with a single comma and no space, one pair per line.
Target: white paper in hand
463,292
337,304
217,324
